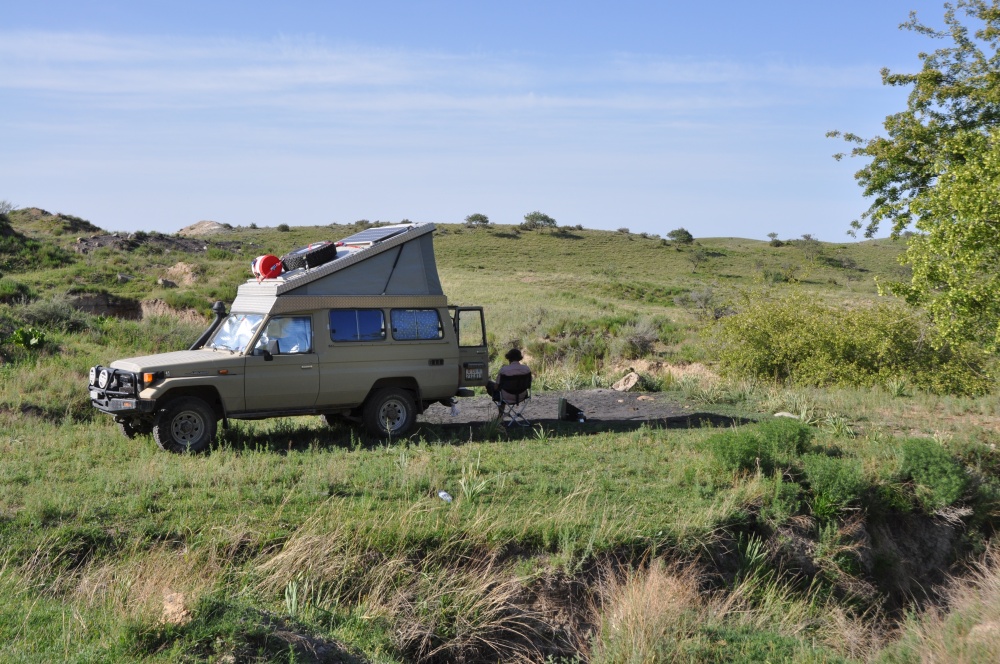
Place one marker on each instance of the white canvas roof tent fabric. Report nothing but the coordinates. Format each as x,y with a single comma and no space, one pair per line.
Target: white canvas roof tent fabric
385,261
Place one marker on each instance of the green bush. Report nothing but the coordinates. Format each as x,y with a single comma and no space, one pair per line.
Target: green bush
764,446
680,236
740,450
28,337
216,254
940,479
537,219
787,438
21,254
56,314
838,480
805,342
185,300
13,291
635,340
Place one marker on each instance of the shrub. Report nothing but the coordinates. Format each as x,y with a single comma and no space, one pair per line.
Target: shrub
787,437
537,219
185,300
283,228
13,291
680,236
740,450
804,342
477,220
56,314
635,340
765,446
29,338
940,479
217,254
838,480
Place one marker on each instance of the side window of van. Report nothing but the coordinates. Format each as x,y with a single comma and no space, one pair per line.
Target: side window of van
293,334
357,325
416,324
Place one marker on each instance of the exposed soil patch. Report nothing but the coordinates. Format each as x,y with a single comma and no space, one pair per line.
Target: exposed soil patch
183,273
103,304
202,228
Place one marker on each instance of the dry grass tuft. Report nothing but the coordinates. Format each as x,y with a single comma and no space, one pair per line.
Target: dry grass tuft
968,632
160,584
452,603
646,611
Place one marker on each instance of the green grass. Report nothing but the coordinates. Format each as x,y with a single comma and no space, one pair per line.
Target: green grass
764,542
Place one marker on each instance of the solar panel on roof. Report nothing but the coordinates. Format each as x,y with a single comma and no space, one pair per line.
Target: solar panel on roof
373,235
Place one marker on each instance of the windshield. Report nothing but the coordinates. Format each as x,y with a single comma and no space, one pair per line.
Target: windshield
235,332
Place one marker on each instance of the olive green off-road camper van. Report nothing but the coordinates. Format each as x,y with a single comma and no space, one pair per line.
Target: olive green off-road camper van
360,330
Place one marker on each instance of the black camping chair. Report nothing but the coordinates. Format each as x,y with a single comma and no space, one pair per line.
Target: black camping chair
511,396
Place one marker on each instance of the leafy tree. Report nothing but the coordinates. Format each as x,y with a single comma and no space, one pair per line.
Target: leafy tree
696,258
477,220
811,247
680,236
538,219
938,168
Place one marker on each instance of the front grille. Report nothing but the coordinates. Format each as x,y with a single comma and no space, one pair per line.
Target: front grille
119,383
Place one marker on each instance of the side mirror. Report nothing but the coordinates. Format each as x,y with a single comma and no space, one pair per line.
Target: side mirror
271,350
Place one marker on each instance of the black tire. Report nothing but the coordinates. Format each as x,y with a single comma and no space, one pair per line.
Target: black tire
309,256
186,424
133,428
390,412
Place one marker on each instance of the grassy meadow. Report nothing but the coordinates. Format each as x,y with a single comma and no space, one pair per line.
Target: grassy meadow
858,530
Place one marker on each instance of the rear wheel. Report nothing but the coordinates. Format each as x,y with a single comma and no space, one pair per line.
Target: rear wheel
186,424
390,412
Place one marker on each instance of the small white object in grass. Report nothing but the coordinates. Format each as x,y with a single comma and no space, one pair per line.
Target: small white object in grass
445,496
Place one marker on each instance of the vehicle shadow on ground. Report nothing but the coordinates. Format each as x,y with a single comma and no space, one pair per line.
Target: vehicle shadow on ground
466,432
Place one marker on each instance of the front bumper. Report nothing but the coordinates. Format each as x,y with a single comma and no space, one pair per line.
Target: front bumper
116,391
117,406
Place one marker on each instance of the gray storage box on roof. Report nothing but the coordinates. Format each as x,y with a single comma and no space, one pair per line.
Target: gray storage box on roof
383,261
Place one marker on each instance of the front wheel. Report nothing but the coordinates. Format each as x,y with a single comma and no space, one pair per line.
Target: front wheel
186,424
390,412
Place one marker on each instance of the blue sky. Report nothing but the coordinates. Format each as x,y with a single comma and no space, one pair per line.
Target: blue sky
647,115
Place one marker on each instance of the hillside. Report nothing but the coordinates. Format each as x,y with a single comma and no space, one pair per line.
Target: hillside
715,532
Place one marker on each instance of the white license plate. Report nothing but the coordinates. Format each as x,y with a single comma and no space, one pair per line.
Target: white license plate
93,394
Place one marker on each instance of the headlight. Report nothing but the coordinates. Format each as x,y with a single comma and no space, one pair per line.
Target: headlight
102,381
93,375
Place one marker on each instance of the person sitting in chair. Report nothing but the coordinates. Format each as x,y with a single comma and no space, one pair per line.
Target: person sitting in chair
513,368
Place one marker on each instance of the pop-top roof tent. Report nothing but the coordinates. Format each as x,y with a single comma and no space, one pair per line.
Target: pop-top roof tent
372,268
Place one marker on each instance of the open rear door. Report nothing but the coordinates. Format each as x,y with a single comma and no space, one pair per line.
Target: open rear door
473,358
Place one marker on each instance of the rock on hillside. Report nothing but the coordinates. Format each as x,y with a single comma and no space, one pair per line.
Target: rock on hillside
202,228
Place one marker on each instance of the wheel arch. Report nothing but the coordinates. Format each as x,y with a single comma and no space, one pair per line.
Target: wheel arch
204,392
407,383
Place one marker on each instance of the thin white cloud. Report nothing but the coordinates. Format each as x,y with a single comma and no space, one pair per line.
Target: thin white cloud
307,75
